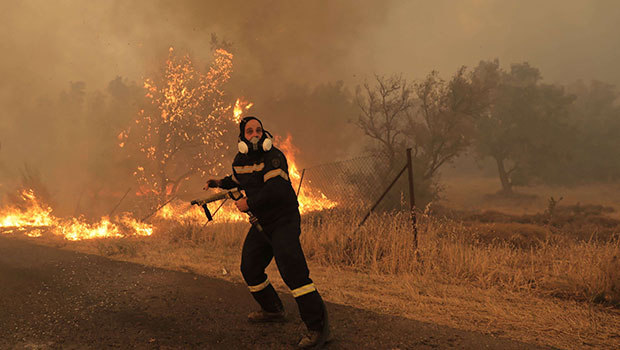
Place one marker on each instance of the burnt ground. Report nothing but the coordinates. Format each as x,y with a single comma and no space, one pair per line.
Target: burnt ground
59,299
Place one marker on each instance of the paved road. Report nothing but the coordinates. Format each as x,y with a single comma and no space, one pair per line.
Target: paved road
58,299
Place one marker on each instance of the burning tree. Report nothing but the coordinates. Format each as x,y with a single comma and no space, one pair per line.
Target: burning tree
181,132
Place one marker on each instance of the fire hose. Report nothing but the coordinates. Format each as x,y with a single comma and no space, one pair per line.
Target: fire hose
234,194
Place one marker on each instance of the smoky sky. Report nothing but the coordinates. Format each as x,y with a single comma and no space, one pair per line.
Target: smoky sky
51,43
45,44
566,40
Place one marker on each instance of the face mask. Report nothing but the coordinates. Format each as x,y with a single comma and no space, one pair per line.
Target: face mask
254,141
256,144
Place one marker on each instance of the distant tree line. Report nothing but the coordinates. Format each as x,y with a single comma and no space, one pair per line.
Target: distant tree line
533,131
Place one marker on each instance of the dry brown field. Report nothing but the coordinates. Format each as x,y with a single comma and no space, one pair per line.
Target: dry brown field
523,268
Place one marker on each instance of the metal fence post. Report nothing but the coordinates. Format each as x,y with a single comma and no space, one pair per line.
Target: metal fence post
303,171
412,199
381,197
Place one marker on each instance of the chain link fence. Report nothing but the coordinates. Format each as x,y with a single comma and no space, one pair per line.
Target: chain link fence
355,185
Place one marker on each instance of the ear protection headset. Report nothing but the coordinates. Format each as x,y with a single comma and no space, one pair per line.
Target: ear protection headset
264,143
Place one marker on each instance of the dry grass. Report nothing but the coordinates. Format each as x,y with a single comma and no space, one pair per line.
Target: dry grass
510,257
472,193
522,281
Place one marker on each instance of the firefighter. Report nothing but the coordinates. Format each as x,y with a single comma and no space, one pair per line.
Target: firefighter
261,170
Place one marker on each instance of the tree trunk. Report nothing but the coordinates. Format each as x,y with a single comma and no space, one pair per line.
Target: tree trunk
503,176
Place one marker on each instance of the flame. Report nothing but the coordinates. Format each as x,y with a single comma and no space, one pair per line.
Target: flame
77,229
240,106
34,217
139,228
179,210
179,102
309,198
32,214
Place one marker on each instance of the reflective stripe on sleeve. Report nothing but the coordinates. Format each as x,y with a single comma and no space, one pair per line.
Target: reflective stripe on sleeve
249,168
274,173
308,288
259,287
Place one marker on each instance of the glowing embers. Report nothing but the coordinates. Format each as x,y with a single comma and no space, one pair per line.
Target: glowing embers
181,131
32,217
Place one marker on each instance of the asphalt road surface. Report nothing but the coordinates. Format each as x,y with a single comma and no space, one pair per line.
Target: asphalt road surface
58,299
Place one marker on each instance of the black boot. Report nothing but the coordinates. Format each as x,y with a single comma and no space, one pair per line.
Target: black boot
262,316
316,339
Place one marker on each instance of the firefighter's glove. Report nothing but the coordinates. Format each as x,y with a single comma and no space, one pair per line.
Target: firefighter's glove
213,183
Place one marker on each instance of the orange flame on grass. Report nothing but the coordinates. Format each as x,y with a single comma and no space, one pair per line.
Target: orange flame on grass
31,213
34,213
179,210
309,198
34,217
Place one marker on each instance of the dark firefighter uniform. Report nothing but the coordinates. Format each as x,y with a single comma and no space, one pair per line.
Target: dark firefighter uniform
263,175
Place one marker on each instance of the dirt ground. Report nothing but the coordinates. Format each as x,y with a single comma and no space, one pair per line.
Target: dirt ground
59,299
